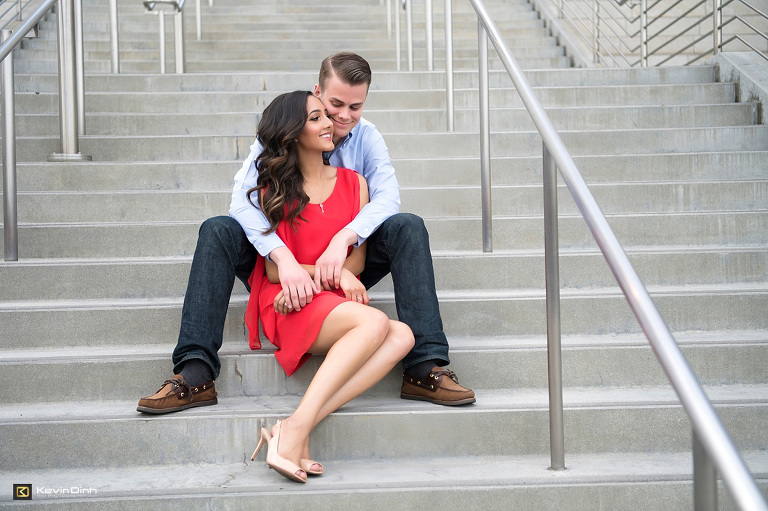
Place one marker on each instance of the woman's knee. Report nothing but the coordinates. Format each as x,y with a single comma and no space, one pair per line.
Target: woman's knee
401,336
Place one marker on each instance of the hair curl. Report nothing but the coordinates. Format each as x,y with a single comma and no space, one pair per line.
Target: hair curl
280,182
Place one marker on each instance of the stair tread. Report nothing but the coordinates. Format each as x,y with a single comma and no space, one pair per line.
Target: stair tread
488,400
245,477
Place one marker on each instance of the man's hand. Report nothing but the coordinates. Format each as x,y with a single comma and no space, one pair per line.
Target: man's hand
329,264
298,286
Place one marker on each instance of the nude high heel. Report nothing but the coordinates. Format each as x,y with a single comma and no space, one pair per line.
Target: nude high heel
306,466
282,466
264,438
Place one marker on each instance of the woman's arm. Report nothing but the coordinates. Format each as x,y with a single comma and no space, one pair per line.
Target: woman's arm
355,261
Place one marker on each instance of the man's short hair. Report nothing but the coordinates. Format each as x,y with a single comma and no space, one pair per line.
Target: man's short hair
351,68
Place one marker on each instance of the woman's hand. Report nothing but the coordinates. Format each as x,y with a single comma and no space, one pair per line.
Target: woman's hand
281,306
353,289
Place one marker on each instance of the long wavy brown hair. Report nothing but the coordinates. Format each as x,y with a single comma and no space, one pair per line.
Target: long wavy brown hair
280,182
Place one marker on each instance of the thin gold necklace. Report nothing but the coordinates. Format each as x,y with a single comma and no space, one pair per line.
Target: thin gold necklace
322,186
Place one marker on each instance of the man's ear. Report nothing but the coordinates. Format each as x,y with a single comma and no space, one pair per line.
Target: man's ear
317,90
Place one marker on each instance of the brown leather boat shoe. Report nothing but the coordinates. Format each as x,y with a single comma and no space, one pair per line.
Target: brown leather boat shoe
440,387
176,394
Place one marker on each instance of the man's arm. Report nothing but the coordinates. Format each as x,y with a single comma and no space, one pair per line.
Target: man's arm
369,156
297,285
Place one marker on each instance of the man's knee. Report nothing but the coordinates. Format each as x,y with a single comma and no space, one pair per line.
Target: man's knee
218,226
406,225
220,230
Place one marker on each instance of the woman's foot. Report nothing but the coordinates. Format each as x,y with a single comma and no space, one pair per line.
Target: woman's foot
282,465
306,462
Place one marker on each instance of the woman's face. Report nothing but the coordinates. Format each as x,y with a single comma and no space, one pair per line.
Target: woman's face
317,133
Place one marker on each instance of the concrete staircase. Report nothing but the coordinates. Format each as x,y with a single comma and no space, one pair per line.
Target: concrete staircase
90,313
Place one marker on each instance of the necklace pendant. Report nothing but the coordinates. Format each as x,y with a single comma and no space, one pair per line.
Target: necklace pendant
321,208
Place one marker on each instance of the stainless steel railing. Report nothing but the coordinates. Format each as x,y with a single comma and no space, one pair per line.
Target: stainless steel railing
177,9
70,104
713,449
11,7
657,32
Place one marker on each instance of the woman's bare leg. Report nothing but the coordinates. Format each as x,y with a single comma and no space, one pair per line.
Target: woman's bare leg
396,345
350,335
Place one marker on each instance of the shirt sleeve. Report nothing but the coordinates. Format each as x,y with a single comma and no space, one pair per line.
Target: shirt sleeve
251,218
382,186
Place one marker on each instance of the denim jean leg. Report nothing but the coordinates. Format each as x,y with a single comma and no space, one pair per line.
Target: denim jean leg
401,246
223,252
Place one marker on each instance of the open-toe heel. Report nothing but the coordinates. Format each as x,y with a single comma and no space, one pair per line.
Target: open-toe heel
264,438
282,466
306,466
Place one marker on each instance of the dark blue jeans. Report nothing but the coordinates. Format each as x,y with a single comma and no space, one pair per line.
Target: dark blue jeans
399,246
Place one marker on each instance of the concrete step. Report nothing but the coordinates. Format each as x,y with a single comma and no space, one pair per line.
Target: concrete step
144,278
417,121
465,313
618,480
256,101
216,147
510,170
437,201
171,239
382,80
626,361
152,66
198,54
599,421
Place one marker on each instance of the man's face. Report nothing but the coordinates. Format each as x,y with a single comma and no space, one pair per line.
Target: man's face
344,104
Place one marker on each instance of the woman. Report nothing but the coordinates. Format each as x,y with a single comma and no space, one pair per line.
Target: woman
306,202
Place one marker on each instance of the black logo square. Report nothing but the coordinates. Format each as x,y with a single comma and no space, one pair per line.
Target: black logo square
22,492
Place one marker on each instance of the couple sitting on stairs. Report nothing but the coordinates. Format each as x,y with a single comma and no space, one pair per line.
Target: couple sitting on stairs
308,236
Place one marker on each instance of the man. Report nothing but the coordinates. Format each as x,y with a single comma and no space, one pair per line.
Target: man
397,242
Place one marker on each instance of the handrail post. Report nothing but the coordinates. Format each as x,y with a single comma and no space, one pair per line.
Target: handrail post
397,36
389,19
180,57
554,351
70,142
199,20
449,63
717,25
704,478
10,220
644,33
79,66
20,18
409,30
485,137
161,18
114,41
430,43
596,30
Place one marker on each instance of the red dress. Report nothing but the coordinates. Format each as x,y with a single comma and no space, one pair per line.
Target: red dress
293,333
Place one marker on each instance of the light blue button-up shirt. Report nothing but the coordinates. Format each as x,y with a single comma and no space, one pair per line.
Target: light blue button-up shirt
362,150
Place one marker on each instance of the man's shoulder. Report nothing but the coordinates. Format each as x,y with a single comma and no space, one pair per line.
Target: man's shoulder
365,126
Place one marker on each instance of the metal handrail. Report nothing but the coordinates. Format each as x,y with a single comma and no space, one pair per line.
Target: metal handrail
713,449
178,23
70,105
606,44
